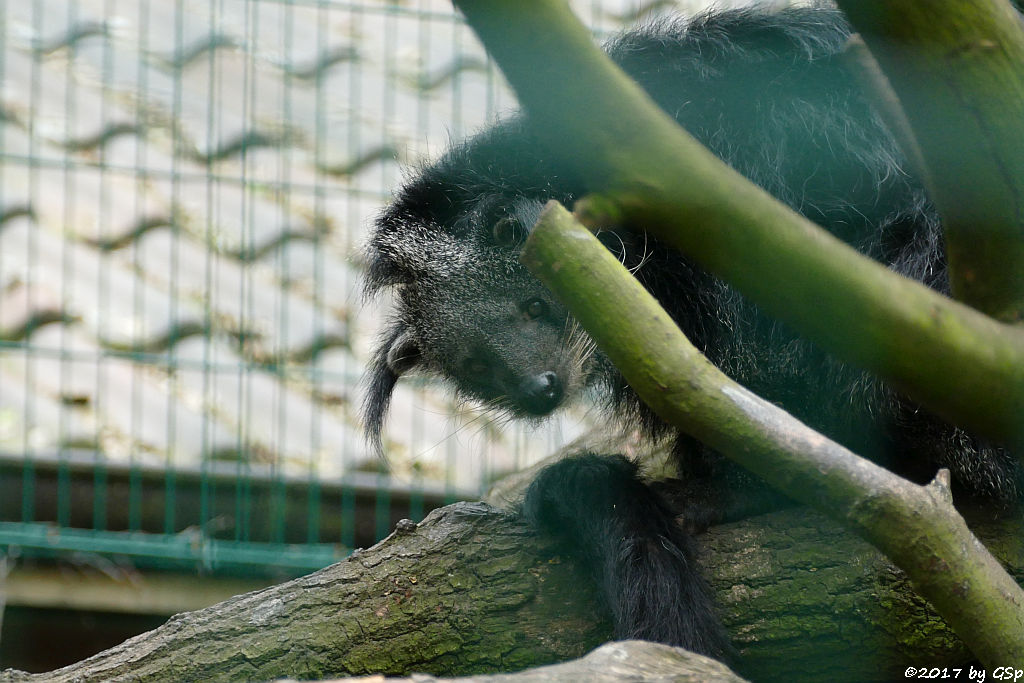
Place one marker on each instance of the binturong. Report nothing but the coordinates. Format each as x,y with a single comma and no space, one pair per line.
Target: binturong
766,92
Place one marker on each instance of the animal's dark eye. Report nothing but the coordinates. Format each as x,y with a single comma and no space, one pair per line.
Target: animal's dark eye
535,308
507,231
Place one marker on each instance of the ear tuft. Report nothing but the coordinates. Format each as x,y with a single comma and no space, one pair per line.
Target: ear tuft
404,353
397,353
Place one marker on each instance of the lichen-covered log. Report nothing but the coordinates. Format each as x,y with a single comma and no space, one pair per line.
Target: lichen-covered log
470,590
804,599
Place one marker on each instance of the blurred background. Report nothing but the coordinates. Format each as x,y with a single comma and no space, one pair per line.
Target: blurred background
184,187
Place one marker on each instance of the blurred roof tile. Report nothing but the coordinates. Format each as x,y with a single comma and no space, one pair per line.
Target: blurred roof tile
272,418
30,421
119,308
244,299
130,404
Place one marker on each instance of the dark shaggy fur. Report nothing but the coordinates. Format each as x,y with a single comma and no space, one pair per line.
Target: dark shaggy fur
766,93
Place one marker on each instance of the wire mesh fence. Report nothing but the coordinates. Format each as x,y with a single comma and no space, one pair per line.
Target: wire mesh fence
182,190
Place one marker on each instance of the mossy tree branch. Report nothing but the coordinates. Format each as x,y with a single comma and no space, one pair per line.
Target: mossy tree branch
471,589
916,526
958,69
960,363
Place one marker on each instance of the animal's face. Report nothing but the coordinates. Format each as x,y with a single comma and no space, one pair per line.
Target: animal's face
466,309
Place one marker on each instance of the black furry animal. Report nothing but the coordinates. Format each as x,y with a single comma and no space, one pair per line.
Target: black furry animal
766,92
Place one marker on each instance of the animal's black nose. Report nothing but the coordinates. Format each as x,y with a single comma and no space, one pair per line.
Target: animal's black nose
541,392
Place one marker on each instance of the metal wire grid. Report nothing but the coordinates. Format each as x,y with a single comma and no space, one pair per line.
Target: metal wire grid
181,192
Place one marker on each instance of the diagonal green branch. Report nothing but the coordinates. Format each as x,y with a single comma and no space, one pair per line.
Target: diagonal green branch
916,526
958,68
961,364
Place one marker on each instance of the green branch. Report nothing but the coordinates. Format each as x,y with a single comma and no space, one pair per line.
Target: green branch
961,364
916,526
958,69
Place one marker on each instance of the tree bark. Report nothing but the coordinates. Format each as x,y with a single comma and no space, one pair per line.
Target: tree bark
471,590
